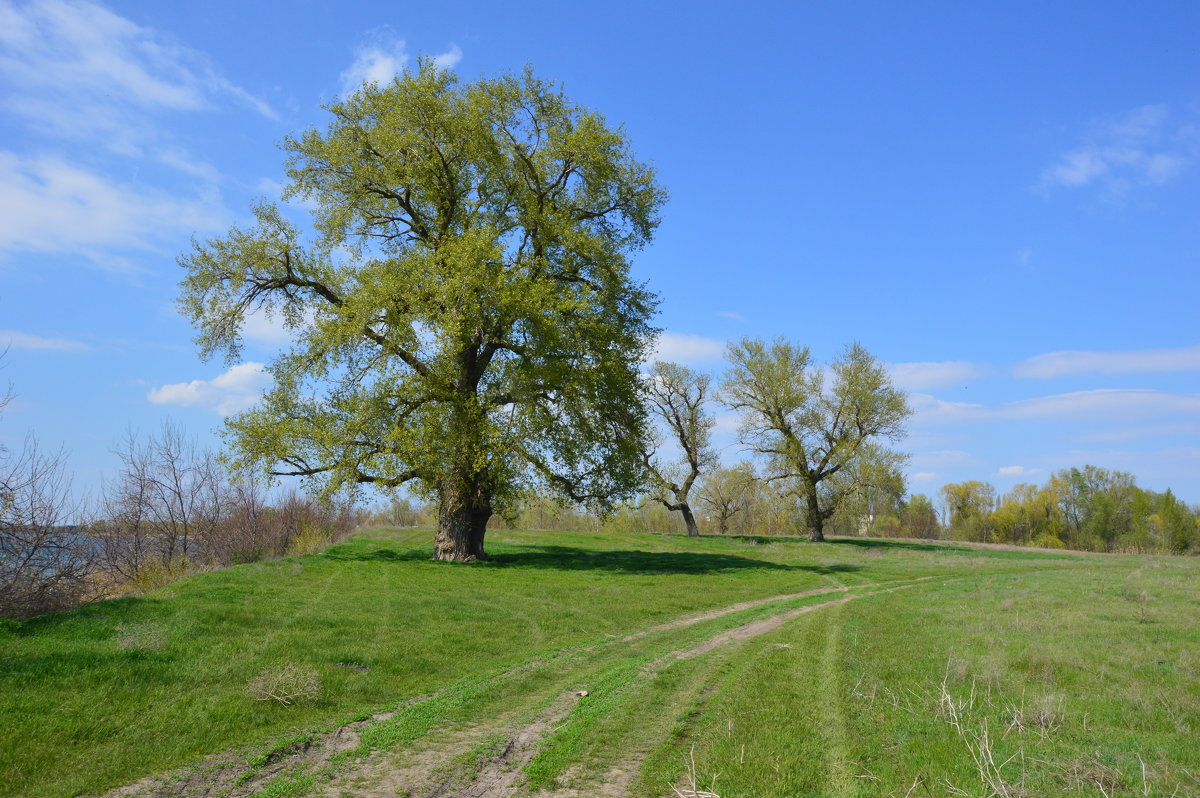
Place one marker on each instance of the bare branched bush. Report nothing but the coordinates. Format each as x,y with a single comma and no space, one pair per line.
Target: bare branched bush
286,683
243,533
45,564
165,504
173,511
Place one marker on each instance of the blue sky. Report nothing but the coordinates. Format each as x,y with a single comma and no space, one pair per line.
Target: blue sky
1000,200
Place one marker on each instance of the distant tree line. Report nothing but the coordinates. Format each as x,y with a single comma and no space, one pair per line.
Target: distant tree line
1089,508
1086,509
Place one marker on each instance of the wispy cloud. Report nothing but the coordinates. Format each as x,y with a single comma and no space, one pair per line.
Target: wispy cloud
1143,147
382,56
236,390
729,314
688,349
1140,432
48,205
77,70
923,376
1130,361
12,339
1095,405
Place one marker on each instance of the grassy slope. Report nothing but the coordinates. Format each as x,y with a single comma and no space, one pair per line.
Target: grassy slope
1086,682
80,713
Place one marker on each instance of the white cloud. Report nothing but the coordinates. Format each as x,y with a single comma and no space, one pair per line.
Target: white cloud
450,58
1094,405
77,69
1132,361
232,392
1141,147
375,62
923,476
258,327
729,314
383,56
922,376
687,349
48,205
11,339
1017,471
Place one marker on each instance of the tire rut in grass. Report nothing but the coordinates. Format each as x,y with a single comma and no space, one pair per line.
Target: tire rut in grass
769,624
496,774
478,761
738,634
689,620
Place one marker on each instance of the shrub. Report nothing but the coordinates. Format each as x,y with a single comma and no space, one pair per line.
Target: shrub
154,574
311,539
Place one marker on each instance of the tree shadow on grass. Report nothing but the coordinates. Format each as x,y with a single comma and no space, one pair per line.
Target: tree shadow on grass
902,545
945,547
865,543
649,563
359,554
949,547
572,558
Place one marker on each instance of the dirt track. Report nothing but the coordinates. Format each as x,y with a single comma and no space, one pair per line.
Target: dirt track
444,767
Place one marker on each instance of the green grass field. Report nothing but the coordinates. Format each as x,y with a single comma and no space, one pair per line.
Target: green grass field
904,669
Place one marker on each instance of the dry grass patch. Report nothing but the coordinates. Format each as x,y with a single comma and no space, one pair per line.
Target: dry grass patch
286,683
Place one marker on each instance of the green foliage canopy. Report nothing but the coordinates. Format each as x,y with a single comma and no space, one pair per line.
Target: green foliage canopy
824,440
464,316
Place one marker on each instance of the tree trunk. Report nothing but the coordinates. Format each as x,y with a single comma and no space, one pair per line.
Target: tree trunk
815,533
816,522
463,514
690,520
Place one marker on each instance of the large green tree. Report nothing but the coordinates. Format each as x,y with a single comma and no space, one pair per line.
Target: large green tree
465,320
824,439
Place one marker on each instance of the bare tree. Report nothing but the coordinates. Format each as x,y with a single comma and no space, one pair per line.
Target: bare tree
677,396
